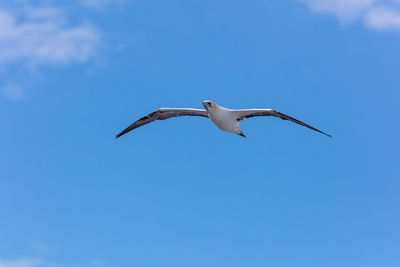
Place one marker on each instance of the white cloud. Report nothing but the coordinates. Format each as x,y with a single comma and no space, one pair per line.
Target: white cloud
21,263
383,18
32,36
26,262
44,36
345,10
375,14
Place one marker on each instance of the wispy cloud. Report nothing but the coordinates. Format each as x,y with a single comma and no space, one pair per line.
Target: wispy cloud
375,14
44,36
383,18
99,3
22,263
26,262
13,92
32,37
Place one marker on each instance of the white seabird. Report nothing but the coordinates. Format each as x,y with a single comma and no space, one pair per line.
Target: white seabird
225,119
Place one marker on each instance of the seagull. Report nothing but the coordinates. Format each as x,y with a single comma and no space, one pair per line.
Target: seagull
225,119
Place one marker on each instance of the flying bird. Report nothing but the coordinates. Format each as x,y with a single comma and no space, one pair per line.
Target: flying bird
225,119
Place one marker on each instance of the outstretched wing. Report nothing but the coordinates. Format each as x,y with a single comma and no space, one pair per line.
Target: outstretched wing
249,113
163,114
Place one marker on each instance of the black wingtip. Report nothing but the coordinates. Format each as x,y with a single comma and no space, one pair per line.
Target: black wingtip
121,134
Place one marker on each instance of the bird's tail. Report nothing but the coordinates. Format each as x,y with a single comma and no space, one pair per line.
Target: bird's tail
242,134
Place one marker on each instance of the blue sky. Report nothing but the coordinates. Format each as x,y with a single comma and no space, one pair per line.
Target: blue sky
181,192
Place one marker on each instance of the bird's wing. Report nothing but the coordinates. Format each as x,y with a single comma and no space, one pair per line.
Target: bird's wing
163,114
242,114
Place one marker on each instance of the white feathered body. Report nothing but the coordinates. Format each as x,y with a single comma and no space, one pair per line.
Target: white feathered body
224,119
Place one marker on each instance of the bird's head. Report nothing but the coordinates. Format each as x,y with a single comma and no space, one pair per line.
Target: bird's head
209,105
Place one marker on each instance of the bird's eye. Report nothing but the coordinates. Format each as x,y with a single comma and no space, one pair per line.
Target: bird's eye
209,103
